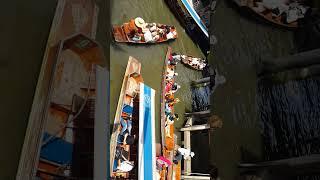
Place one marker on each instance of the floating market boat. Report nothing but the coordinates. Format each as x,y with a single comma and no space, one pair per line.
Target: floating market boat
67,53
167,130
285,14
123,153
139,32
193,62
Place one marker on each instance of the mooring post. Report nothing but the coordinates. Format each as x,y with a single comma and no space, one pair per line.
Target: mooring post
299,60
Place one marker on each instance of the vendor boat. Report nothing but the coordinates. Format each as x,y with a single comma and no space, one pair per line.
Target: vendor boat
193,62
138,32
167,131
123,154
269,15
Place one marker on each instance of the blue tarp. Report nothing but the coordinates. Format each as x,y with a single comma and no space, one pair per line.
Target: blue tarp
57,150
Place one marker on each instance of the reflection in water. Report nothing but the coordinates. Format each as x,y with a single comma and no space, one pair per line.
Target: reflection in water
289,115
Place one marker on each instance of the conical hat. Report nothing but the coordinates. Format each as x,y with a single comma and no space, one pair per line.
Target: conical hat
139,22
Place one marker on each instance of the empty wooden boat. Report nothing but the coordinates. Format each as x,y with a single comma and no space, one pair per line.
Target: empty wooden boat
71,17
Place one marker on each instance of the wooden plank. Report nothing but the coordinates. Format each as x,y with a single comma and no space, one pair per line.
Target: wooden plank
62,27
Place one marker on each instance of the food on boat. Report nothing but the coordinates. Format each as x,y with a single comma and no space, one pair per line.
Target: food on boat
193,62
138,31
169,87
122,147
282,12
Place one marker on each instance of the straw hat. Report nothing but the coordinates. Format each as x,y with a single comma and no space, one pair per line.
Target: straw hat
139,22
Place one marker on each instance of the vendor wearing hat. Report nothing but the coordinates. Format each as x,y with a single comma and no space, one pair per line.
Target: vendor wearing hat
140,24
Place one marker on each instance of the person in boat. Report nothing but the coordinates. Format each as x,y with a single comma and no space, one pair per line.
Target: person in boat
171,75
122,158
174,88
173,60
169,85
176,57
173,101
171,118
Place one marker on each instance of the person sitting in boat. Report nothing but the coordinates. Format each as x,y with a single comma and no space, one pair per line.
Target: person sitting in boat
168,109
171,34
171,75
171,118
172,61
176,57
169,96
175,101
122,158
168,86
174,88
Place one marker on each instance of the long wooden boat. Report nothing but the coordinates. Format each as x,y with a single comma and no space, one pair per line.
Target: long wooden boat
187,60
190,25
189,6
71,17
266,14
166,139
69,118
122,34
128,98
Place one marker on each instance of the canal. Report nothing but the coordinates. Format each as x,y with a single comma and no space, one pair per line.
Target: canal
151,56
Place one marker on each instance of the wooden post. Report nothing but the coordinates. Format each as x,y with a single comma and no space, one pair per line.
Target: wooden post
187,145
299,60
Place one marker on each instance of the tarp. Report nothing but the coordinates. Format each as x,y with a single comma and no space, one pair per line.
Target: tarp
147,144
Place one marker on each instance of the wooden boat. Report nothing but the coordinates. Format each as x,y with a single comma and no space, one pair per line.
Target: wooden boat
189,6
191,25
72,32
188,60
266,14
128,98
167,140
122,34
69,118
